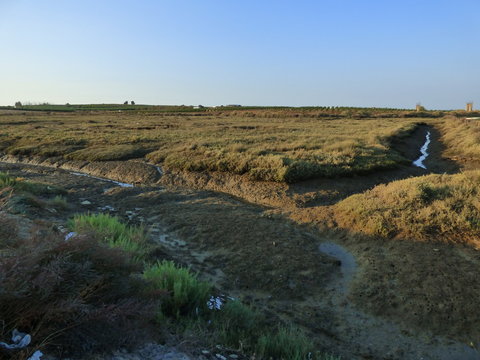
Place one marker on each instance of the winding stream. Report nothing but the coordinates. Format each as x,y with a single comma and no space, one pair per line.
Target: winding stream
121,184
424,152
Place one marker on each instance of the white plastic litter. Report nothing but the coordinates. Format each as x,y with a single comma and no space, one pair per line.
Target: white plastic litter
19,341
70,235
215,302
36,355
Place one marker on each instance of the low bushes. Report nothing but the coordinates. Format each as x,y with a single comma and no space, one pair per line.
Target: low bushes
108,153
286,343
234,324
187,296
433,207
110,230
73,297
86,295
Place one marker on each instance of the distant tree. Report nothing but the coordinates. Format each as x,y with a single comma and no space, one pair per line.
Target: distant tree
67,104
132,102
125,103
18,104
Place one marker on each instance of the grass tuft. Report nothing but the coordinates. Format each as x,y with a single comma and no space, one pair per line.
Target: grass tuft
287,343
187,296
108,229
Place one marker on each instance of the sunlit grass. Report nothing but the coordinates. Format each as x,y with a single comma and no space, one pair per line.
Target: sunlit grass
434,207
275,147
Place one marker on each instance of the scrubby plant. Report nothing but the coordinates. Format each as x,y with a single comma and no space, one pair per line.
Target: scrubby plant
108,229
72,297
237,325
187,295
434,207
286,343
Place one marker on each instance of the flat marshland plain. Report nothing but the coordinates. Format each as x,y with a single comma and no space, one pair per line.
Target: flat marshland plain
343,177
277,148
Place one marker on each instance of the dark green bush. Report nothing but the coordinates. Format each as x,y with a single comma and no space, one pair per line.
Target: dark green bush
73,296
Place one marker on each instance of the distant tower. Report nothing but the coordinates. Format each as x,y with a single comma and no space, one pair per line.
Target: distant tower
469,107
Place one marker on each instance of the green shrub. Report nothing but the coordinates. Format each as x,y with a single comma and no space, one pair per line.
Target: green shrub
72,297
286,344
237,324
187,296
111,231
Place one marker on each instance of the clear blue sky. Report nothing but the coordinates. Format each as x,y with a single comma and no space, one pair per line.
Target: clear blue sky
386,53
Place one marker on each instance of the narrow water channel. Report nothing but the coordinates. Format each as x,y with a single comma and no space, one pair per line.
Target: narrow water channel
348,266
424,152
121,184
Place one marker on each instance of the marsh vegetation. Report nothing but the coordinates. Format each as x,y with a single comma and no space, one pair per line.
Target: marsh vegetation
405,227
261,146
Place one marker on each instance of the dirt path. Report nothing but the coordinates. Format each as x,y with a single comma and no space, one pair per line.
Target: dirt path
257,254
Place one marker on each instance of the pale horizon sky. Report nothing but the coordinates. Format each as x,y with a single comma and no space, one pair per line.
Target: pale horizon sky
212,52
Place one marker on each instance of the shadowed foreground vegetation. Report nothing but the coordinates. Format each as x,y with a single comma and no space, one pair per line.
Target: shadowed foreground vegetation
434,207
99,290
263,145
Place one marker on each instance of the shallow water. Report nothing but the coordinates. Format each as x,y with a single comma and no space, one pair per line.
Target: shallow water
424,152
348,264
102,179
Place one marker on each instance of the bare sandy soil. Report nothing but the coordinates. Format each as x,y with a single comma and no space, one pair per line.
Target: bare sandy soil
260,242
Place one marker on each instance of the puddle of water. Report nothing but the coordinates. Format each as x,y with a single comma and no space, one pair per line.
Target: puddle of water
348,264
424,152
102,179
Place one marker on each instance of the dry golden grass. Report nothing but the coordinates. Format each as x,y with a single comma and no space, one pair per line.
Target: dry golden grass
462,137
278,148
433,207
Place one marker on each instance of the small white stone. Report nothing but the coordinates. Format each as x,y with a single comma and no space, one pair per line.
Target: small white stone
86,202
221,357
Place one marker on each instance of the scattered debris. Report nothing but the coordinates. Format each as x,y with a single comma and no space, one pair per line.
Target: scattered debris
70,235
36,355
19,341
215,302
106,208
